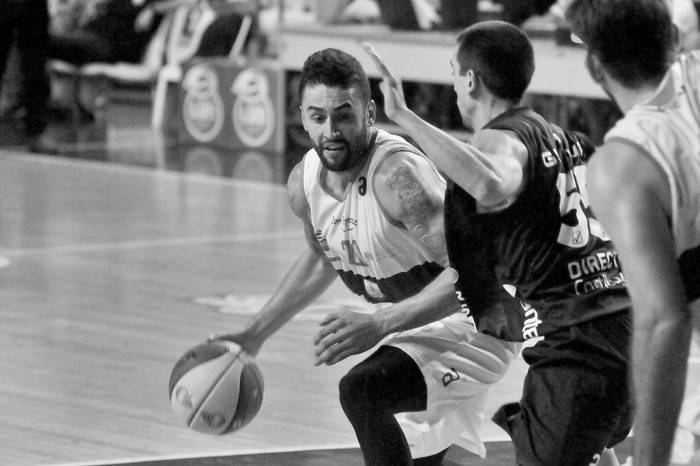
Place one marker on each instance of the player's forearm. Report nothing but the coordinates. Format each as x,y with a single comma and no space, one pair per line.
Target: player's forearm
470,168
435,302
308,278
659,368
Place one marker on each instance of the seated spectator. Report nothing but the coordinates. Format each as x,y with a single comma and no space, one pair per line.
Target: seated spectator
99,31
110,31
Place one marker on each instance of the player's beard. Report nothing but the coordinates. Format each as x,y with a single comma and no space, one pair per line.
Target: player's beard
340,154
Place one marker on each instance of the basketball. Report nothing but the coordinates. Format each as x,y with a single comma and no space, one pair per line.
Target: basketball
216,388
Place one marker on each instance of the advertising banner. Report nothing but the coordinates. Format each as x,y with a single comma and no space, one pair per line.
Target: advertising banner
232,106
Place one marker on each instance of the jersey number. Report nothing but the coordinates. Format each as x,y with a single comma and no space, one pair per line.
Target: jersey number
362,188
354,254
576,227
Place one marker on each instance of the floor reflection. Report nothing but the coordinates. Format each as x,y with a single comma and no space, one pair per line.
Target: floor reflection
122,133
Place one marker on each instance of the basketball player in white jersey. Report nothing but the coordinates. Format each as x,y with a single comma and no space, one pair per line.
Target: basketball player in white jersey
372,209
645,188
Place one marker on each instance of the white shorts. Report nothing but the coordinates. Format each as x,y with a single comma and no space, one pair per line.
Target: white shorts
459,365
686,443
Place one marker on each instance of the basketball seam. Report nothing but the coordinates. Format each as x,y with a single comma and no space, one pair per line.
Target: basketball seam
198,409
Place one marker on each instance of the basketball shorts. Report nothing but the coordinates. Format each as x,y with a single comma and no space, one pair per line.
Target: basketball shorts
687,440
459,365
685,443
576,396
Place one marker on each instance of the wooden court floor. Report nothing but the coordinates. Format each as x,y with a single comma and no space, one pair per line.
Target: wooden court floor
105,268
112,264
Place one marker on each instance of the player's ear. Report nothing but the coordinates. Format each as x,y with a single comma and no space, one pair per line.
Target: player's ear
471,78
371,112
595,68
473,82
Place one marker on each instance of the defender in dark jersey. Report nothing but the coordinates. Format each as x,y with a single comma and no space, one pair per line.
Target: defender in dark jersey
531,261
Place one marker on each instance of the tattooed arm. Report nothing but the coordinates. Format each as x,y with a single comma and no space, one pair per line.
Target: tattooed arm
410,191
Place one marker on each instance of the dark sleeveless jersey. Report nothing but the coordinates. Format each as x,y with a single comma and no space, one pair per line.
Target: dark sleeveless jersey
544,262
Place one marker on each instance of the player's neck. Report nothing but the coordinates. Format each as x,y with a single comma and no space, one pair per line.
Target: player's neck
488,111
337,182
626,98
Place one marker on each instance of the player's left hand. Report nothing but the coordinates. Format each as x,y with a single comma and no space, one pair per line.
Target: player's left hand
343,334
391,85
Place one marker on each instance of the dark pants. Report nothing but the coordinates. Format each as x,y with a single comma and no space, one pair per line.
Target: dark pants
576,398
386,383
26,22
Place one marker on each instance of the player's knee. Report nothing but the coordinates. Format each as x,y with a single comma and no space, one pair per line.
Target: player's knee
353,391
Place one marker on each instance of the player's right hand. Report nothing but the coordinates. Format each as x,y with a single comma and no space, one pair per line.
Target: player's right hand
250,344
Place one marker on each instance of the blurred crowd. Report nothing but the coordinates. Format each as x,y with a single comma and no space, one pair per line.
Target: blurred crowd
134,39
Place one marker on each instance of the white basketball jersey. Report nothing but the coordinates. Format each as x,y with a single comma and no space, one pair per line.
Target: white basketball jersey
376,257
667,127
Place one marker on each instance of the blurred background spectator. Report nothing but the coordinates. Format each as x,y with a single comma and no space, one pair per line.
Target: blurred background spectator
24,24
106,31
685,16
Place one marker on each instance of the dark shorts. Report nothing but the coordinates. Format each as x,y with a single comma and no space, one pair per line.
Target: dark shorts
576,398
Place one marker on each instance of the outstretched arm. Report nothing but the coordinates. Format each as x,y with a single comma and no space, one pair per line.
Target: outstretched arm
411,192
305,281
490,168
630,196
347,333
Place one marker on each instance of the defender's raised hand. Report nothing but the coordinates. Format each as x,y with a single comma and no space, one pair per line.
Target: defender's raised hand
391,86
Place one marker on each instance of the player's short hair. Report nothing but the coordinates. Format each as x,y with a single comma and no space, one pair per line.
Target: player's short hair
500,54
334,68
635,40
